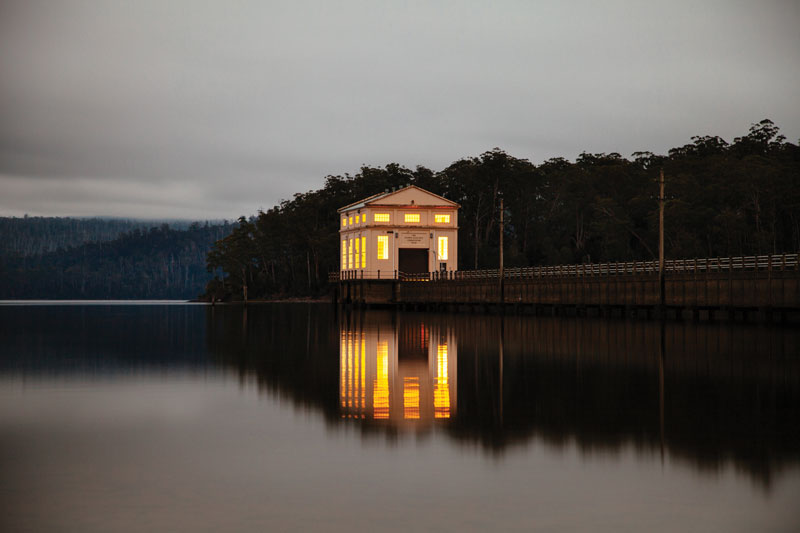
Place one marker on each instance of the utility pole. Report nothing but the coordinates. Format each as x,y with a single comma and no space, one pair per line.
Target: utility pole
661,200
502,273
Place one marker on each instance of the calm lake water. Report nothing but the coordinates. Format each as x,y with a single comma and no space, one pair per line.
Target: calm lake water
293,417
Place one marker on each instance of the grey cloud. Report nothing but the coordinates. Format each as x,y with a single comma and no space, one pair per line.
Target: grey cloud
132,104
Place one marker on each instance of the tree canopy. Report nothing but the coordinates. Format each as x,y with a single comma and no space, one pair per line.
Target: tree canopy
724,199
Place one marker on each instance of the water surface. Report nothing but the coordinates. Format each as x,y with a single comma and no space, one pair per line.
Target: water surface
291,416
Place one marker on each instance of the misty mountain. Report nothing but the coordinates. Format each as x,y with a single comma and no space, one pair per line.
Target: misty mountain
161,262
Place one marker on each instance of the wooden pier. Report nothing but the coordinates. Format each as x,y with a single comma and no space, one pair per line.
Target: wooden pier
764,287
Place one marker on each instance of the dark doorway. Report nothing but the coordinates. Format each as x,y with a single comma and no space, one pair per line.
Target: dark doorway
413,260
412,341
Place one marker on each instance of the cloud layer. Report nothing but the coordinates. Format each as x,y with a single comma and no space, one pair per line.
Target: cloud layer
186,109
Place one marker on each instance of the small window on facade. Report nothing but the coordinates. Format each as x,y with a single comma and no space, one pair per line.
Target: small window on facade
411,217
344,254
364,218
442,219
358,252
381,217
344,222
350,220
383,247
363,252
443,248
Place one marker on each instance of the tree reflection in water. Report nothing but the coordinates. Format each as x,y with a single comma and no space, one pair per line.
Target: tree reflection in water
702,392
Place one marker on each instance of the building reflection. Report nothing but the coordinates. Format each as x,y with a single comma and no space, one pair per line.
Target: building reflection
402,373
704,393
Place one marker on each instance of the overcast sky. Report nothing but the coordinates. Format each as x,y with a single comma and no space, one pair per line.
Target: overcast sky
188,109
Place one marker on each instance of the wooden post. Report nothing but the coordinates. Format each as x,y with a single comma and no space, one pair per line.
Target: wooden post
502,273
661,354
661,284
502,334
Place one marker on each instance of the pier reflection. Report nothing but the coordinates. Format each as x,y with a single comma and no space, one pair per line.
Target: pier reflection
705,394
400,372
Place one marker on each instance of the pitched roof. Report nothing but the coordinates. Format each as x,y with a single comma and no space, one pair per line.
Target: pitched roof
377,199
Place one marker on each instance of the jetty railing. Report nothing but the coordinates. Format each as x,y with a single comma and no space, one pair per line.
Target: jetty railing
777,262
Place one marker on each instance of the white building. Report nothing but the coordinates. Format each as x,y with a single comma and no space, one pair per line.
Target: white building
409,231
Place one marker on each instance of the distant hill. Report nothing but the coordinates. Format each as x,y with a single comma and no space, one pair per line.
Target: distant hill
28,236
64,258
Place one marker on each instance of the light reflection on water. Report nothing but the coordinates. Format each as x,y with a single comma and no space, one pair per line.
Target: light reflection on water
116,418
397,375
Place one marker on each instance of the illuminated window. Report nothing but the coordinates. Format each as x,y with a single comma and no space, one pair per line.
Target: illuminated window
442,219
380,386
363,375
363,252
352,361
441,387
364,218
383,247
350,220
350,254
443,248
381,217
411,217
344,254
343,369
344,222
411,397
358,252
348,394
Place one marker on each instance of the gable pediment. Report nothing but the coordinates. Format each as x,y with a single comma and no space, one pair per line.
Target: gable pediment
407,196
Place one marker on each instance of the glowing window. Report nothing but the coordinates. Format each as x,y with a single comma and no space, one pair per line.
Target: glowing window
344,254
351,373
350,220
443,248
344,222
343,373
381,217
363,374
411,217
441,387
442,219
380,386
364,217
358,252
411,397
350,254
363,252
383,247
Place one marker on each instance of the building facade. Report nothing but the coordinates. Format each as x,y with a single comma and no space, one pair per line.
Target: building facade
407,231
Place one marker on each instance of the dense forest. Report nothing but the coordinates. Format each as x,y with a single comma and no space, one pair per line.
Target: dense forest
30,236
723,199
159,262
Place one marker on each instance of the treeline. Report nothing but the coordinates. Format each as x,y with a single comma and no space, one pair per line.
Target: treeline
30,236
723,199
156,263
